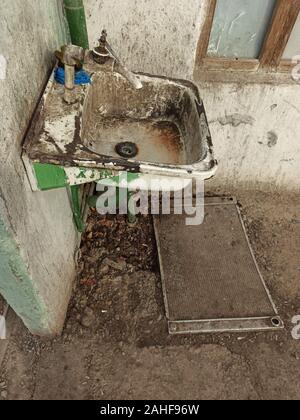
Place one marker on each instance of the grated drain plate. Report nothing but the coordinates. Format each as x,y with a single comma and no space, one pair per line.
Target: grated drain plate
211,280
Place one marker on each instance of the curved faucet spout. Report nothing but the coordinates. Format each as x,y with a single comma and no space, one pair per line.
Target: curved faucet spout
105,51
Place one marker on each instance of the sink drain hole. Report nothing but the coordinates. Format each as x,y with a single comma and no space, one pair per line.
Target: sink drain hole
127,150
276,322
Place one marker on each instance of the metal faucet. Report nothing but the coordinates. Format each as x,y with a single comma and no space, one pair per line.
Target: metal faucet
104,51
71,56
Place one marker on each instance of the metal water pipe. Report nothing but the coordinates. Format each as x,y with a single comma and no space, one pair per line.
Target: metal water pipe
75,14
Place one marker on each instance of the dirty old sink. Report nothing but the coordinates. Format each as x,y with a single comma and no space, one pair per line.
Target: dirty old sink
159,130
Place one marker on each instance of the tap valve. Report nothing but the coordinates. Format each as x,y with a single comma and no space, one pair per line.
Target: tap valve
101,54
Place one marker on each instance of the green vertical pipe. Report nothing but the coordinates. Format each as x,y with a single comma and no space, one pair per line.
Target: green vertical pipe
75,14
76,208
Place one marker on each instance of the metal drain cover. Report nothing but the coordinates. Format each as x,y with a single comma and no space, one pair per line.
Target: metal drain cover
211,280
127,150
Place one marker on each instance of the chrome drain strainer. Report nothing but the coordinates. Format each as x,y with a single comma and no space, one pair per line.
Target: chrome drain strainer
127,150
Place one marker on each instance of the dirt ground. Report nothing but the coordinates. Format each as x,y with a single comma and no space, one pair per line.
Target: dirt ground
116,346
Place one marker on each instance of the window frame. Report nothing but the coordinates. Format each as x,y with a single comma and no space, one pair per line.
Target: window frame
270,60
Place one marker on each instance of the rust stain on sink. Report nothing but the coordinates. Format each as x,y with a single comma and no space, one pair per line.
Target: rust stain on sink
169,139
160,140
165,121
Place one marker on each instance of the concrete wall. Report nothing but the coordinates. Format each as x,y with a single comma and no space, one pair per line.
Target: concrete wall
154,36
256,133
255,127
40,224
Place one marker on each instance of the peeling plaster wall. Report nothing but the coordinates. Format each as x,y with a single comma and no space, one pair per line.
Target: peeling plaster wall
153,36
40,223
293,46
256,128
256,134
